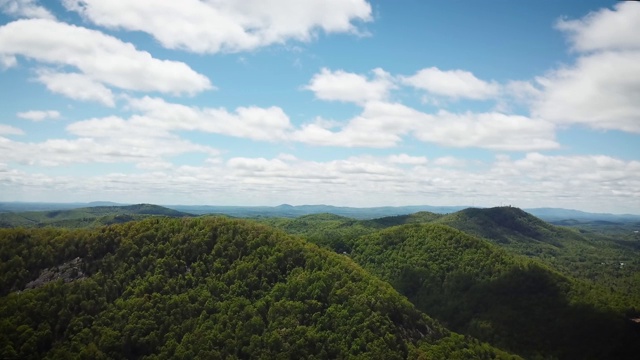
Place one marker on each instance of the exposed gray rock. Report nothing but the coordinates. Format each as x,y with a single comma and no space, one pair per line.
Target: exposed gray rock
68,272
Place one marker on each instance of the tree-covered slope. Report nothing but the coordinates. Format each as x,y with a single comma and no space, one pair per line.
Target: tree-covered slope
508,225
86,217
607,261
206,288
327,230
478,289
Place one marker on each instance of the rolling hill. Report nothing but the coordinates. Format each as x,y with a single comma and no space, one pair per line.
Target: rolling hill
205,288
609,260
86,217
485,286
476,288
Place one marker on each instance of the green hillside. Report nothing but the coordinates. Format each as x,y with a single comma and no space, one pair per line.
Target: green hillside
490,290
476,288
607,256
327,230
594,257
508,225
204,288
86,217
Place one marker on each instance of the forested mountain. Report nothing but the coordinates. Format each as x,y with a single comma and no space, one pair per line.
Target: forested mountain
204,288
291,211
490,290
611,261
478,289
182,287
554,215
86,217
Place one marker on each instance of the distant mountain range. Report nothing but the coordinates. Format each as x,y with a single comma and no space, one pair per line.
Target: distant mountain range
90,216
548,214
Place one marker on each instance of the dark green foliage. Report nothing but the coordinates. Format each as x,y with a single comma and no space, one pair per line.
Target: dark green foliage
589,256
476,288
508,225
605,296
419,217
206,288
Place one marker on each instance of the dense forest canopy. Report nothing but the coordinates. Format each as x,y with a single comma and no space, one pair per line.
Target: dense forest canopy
149,286
206,288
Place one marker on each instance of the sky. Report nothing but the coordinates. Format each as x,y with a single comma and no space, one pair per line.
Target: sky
338,102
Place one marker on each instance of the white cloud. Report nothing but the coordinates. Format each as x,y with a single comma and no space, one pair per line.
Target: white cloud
522,91
601,89
257,164
25,8
381,125
493,131
10,130
38,115
225,25
450,161
384,125
605,29
101,59
8,61
113,127
123,148
405,159
595,182
340,85
76,86
268,124
452,83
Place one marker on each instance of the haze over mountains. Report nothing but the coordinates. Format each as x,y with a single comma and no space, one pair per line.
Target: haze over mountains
285,210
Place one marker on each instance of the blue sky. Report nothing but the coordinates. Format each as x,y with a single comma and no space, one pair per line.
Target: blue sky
341,102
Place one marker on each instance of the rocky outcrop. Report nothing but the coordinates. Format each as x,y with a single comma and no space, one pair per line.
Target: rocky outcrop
68,272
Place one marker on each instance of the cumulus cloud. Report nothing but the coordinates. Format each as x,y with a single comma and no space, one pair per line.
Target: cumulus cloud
605,29
495,131
601,89
10,130
267,124
101,60
384,125
344,86
123,148
225,25
8,61
407,159
38,115
25,8
76,86
609,182
455,84
450,161
381,125
530,180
